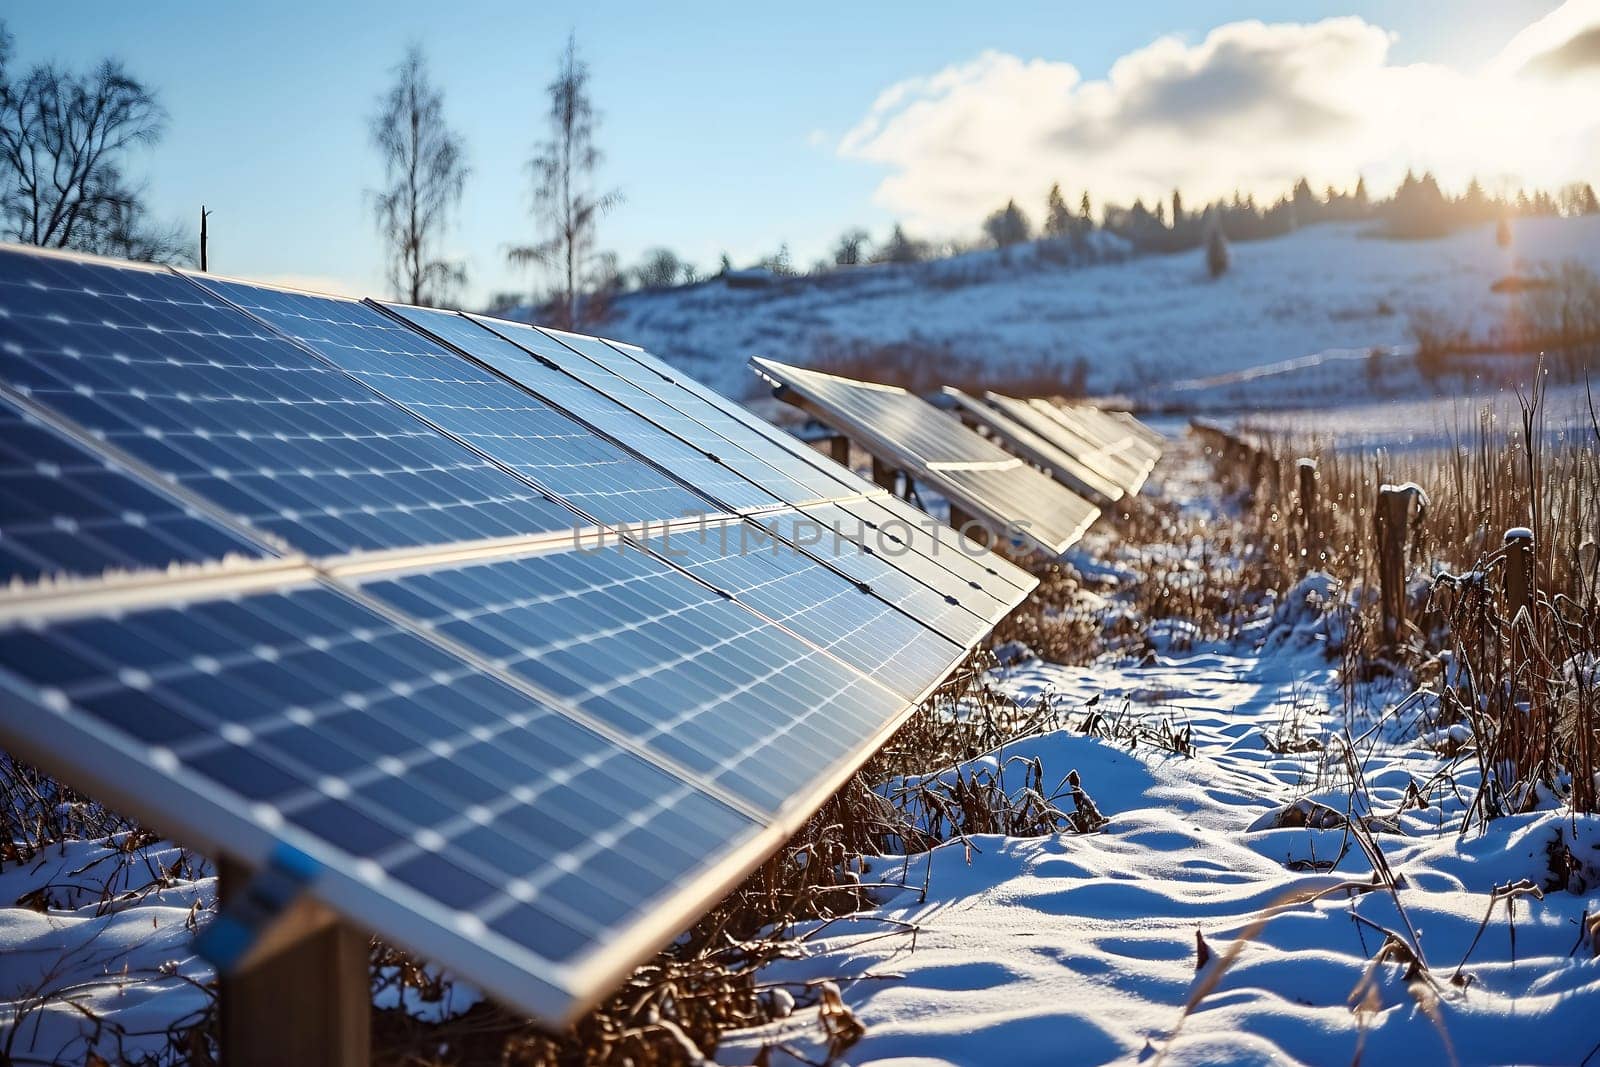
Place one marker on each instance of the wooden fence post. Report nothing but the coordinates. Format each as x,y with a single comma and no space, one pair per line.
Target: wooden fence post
1519,571
1392,523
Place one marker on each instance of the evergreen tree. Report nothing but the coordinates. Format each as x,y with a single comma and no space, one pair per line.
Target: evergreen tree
1008,226
1177,209
1083,210
1218,258
1057,216
900,249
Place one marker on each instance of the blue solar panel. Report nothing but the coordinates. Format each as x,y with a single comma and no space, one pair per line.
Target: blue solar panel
66,511
400,762
683,670
473,405
243,418
753,455
819,604
683,458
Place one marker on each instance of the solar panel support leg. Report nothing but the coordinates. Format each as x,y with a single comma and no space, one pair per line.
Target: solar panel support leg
959,518
305,998
884,474
839,449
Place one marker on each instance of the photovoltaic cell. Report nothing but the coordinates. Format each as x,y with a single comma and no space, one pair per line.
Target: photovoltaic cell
68,512
934,447
401,764
677,456
683,670
1107,446
989,571
790,478
819,604
239,416
469,403
857,554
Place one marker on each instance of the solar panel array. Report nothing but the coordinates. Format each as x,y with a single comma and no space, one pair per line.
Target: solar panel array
531,646
1051,454
934,448
1112,444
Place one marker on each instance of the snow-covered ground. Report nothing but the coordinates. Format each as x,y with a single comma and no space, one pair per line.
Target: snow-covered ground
1142,324
1083,948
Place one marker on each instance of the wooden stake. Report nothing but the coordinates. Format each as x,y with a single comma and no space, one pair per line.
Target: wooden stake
1519,571
1391,525
307,1002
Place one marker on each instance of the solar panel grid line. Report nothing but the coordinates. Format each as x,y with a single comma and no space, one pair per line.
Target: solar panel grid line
237,414
938,577
522,471
554,991
739,493
949,547
156,482
825,608
522,617
1027,443
776,467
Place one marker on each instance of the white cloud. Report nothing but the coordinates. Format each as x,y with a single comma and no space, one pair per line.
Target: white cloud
1253,107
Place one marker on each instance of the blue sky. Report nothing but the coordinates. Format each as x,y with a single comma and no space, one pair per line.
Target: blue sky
721,122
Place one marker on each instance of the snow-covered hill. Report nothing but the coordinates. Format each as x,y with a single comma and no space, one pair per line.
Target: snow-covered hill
1141,323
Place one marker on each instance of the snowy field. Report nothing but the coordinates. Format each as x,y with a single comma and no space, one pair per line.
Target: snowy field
1142,324
1083,948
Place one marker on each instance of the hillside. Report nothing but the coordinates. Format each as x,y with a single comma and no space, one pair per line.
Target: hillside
1141,323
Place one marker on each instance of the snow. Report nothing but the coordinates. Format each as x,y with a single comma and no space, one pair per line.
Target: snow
1082,948
1323,296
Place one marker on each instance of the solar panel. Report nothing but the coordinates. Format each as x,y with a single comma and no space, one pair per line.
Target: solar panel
66,511
684,671
686,458
936,449
1115,451
237,415
819,604
531,759
793,479
485,412
483,826
931,539
1024,441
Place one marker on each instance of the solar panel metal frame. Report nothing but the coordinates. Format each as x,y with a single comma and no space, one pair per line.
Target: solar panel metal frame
945,475
1044,419
1056,460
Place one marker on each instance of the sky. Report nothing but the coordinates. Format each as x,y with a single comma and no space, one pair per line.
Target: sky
734,128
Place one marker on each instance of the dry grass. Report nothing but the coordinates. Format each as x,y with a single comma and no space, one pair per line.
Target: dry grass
1525,683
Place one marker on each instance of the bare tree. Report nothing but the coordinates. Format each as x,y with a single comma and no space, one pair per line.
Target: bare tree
425,172
563,172
64,139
